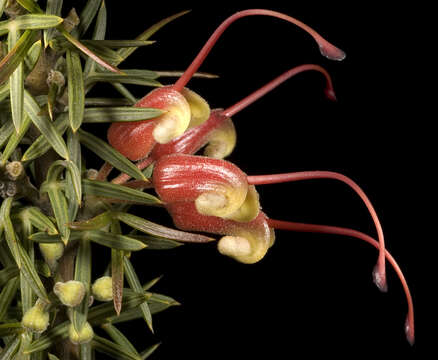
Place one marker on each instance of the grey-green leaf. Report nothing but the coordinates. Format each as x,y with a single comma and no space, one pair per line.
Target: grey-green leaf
76,94
43,123
11,348
114,241
32,57
8,273
109,154
148,352
14,140
112,349
151,228
119,114
14,57
118,192
10,329
119,338
157,243
87,15
135,79
16,86
38,219
135,285
40,146
124,53
53,7
30,22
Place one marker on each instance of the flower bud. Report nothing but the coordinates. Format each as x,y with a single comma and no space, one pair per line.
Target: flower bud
52,252
71,293
217,187
36,319
102,289
82,336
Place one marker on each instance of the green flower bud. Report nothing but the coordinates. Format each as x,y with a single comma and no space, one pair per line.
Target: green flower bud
83,336
103,288
36,319
70,293
52,252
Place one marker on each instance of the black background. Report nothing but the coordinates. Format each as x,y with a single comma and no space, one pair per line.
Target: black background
311,293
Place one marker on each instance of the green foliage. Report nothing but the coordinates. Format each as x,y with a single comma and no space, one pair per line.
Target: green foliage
51,200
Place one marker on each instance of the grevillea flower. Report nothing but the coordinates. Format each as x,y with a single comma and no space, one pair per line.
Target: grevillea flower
183,107
215,196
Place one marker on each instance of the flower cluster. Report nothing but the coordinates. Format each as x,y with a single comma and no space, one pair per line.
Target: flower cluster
209,194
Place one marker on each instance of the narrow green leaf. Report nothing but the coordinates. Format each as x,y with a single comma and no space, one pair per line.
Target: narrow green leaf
135,285
40,146
135,79
59,206
14,57
118,192
117,276
74,179
16,85
82,274
7,295
118,337
85,352
109,154
98,34
6,131
14,140
10,329
124,92
49,338
88,52
157,243
11,348
53,357
101,313
38,219
76,95
105,102
8,273
151,228
202,75
43,123
114,241
32,57
124,53
115,44
98,222
31,275
27,298
53,7
159,302
43,237
112,349
11,238
135,313
2,6
148,352
119,114
31,6
151,283
30,22
87,15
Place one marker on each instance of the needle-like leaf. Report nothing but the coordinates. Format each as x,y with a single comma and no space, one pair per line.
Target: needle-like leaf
16,85
76,94
109,154
119,114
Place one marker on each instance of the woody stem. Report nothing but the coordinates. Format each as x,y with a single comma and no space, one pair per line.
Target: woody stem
380,276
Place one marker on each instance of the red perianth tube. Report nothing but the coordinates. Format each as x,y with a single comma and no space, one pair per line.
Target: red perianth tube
325,229
328,50
379,272
330,93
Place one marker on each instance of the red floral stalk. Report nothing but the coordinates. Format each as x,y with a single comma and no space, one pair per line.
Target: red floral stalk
379,274
135,140
218,131
181,180
325,229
